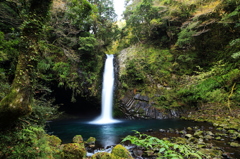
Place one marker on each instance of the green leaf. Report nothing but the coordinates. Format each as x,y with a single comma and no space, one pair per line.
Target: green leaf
162,149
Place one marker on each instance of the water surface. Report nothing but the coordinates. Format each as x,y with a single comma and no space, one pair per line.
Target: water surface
110,134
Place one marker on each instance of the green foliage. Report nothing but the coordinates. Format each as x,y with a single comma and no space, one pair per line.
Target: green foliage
87,43
29,142
42,111
163,148
79,11
63,70
5,86
142,19
235,43
7,47
185,37
148,67
211,87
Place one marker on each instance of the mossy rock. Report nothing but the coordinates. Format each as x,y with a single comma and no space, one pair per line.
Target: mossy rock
232,131
198,133
73,150
120,151
101,155
54,140
211,153
209,137
78,139
188,136
180,140
234,144
218,138
91,141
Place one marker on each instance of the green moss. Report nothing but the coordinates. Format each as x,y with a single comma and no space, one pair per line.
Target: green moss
234,144
78,139
102,155
91,140
120,151
54,140
73,150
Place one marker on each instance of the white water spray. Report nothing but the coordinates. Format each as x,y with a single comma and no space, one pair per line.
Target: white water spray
107,93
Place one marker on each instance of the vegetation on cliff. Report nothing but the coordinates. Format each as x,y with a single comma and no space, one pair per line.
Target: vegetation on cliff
182,53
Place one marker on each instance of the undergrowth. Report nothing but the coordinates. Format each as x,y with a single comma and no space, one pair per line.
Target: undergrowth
163,148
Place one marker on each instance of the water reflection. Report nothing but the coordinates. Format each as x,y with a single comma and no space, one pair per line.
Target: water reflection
106,133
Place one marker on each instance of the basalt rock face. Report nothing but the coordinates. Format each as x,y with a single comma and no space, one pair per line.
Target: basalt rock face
136,106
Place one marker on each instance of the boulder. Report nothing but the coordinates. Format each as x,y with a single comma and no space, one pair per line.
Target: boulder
73,150
91,141
120,151
78,139
54,140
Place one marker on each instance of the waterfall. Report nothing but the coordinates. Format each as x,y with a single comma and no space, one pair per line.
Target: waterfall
107,93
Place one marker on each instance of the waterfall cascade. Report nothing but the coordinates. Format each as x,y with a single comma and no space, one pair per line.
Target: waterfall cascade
107,93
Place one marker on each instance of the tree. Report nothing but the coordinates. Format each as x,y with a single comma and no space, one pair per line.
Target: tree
145,21
18,102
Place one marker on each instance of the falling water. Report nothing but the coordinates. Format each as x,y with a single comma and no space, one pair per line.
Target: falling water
107,93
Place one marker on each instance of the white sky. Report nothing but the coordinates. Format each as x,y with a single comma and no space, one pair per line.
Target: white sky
118,7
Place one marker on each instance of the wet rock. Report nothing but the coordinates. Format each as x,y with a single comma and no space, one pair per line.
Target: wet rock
188,136
196,127
162,130
177,132
218,138
200,141
183,132
171,130
208,137
226,155
91,142
209,133
234,144
150,130
198,133
137,151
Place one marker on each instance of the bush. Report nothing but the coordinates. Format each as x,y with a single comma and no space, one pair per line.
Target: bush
29,142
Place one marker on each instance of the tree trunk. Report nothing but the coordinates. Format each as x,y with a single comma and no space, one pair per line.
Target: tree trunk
18,102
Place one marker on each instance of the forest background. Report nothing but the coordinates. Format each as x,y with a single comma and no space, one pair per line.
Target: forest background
190,46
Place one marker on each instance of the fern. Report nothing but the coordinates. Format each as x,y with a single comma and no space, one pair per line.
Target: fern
165,148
